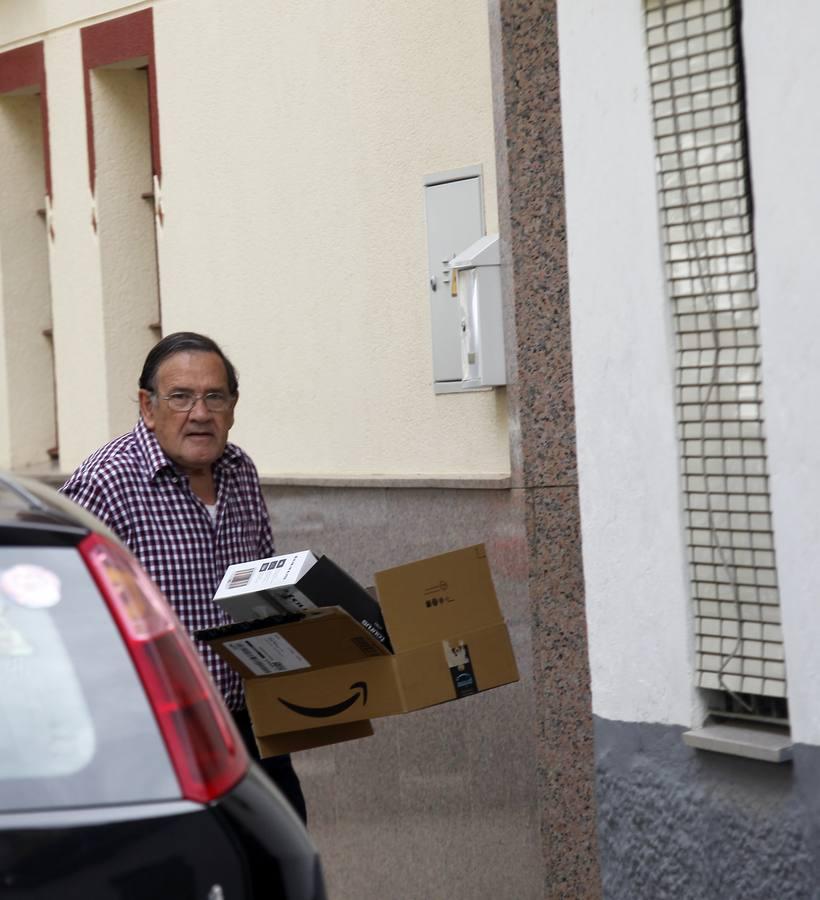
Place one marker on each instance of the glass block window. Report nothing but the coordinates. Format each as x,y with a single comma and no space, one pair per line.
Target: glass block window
696,79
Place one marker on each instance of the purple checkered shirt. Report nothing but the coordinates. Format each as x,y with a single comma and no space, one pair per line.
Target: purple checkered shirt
140,494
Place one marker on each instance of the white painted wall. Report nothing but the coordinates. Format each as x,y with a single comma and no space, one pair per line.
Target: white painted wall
783,82
76,286
638,608
20,19
295,140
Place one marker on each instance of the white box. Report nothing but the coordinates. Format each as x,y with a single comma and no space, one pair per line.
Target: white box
265,587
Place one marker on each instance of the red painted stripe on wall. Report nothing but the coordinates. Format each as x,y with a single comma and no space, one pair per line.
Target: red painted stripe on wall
24,67
118,40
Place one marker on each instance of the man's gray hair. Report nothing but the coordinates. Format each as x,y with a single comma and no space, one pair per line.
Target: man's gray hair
179,342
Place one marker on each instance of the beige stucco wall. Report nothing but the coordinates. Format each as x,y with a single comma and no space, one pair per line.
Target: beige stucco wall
295,139
26,379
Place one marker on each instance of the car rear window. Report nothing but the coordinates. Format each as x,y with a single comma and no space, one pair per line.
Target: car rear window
75,726
11,502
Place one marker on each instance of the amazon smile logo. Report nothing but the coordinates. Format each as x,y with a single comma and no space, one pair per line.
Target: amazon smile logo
359,689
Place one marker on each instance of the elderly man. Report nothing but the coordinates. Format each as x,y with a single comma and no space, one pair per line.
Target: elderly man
185,501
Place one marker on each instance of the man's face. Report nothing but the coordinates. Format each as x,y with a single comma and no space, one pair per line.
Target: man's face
194,440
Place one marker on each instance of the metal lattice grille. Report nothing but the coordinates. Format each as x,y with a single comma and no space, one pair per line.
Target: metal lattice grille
696,83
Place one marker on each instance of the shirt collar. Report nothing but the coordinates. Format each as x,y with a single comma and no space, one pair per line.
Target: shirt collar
156,460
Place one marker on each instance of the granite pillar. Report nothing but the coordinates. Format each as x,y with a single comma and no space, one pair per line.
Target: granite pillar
524,47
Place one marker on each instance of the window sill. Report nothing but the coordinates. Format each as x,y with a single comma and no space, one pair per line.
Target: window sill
762,742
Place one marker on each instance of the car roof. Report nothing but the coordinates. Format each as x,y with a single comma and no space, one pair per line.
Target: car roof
31,513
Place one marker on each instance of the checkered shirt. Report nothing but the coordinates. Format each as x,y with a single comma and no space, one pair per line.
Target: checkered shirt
140,494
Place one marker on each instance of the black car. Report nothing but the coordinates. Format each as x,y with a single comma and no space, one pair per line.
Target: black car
121,772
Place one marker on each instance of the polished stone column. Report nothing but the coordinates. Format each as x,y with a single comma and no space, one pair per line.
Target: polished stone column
524,47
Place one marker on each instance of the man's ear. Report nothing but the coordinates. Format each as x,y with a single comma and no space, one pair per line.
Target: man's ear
147,409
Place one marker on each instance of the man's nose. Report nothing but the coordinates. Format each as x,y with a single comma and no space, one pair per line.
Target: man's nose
199,410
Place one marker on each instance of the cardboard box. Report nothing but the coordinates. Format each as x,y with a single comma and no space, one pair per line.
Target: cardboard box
296,583
320,679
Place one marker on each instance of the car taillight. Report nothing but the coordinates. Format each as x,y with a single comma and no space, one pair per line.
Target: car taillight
203,743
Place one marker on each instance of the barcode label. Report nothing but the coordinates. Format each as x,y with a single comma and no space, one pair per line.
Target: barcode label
267,654
261,662
240,578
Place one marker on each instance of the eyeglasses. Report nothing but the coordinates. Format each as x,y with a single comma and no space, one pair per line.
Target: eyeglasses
185,401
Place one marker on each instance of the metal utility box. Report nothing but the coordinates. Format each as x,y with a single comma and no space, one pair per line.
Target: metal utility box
454,211
464,285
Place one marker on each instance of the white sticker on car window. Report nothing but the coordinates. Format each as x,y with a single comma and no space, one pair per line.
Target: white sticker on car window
34,587
267,654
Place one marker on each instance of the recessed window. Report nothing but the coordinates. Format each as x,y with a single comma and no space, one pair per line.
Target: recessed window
705,201
27,393
125,178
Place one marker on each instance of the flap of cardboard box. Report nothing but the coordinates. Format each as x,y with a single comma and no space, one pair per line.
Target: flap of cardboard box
429,600
291,741
322,638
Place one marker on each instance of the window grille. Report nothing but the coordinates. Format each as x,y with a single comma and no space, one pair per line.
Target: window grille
696,79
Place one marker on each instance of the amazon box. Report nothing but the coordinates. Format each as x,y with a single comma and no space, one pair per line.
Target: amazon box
319,676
